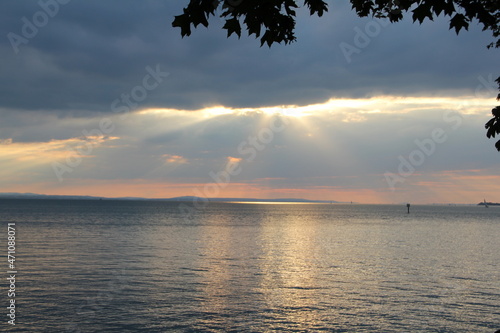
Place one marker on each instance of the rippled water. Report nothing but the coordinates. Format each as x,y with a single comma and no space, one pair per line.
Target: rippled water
115,266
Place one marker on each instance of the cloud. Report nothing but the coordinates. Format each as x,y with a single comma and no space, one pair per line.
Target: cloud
87,77
316,149
174,159
77,63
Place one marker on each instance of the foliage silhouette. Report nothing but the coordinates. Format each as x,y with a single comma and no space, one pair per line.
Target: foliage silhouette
493,125
274,20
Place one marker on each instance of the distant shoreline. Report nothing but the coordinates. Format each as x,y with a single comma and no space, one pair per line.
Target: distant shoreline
489,204
174,199
35,196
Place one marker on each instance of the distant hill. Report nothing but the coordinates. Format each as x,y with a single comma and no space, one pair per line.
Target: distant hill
183,198
45,196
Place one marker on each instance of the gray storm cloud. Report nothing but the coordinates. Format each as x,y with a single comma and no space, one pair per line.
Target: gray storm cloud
89,53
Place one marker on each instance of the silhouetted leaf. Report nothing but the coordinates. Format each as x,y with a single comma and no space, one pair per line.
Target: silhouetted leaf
421,12
289,4
489,123
362,7
266,38
458,22
316,7
232,26
183,22
498,81
199,17
491,132
496,111
438,7
449,8
253,26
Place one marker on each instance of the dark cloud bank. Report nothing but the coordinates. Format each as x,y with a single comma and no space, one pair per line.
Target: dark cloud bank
88,54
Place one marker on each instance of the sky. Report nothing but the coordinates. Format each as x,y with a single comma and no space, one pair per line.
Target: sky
105,98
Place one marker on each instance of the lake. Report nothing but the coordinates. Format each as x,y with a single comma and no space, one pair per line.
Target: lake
146,266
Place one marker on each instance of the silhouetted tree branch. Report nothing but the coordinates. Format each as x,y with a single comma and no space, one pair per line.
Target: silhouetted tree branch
274,20
493,125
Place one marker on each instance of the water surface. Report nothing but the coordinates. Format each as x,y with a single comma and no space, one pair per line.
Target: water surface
120,266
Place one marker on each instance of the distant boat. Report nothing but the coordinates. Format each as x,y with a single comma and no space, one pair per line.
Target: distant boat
485,204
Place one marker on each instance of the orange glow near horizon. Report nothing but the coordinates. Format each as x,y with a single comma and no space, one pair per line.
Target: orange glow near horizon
26,166
432,192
